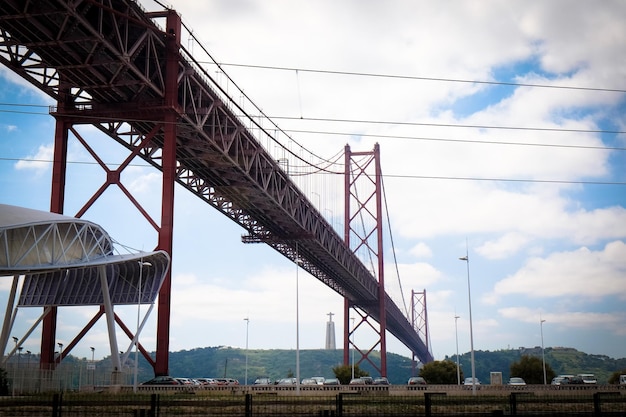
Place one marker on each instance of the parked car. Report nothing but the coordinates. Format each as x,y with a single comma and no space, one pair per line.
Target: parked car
226,381
184,381
416,380
287,381
332,381
368,380
162,380
572,380
206,381
517,381
263,381
357,381
308,381
318,379
588,378
467,382
557,380
381,381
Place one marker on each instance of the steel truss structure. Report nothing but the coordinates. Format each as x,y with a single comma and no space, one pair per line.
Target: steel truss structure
71,262
108,63
419,320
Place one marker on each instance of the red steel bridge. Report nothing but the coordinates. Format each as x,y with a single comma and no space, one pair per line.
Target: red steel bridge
113,65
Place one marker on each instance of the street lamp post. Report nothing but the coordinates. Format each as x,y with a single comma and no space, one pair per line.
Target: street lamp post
352,350
458,369
93,366
247,319
298,263
469,295
543,353
139,293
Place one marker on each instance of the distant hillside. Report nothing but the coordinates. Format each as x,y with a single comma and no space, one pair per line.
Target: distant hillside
231,363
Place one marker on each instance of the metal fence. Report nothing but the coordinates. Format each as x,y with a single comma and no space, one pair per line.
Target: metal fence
344,404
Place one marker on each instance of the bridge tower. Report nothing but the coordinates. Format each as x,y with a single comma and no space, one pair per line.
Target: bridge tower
419,321
164,114
363,233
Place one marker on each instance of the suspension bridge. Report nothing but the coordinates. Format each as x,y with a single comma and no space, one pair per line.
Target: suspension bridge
115,66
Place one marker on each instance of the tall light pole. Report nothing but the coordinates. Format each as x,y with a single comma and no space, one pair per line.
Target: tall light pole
15,339
352,350
139,292
458,369
93,366
469,295
60,351
543,353
247,319
298,263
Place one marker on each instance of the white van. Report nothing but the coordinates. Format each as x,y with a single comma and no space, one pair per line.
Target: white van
622,379
588,378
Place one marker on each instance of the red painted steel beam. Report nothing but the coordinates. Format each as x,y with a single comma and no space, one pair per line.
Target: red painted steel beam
57,200
169,178
361,172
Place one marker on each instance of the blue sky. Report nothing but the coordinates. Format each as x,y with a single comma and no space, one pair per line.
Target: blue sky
555,250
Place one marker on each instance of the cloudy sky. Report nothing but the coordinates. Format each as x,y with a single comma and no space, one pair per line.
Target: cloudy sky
502,132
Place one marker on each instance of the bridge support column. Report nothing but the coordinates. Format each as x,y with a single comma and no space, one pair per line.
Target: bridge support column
57,201
169,179
365,172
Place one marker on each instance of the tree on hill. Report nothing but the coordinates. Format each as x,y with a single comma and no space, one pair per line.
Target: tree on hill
344,373
530,368
614,378
440,372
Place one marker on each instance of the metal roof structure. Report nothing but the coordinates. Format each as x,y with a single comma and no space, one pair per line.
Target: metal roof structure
66,261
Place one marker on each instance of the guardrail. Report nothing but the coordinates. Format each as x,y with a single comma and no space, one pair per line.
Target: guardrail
374,389
580,403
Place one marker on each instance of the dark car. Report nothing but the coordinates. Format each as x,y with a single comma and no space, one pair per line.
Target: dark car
572,380
162,380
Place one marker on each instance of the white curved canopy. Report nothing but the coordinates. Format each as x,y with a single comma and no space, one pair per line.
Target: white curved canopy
61,257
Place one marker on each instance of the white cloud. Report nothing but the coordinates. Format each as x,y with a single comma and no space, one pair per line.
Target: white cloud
506,245
581,273
146,183
613,321
40,162
421,250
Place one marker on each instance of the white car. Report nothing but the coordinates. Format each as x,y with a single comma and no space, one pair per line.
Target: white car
516,381
588,378
467,382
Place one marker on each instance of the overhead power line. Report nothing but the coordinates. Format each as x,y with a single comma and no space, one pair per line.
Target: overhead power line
485,142
400,123
413,77
326,132
401,176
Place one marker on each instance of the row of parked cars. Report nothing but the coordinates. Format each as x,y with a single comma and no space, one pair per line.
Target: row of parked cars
190,382
315,380
580,379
